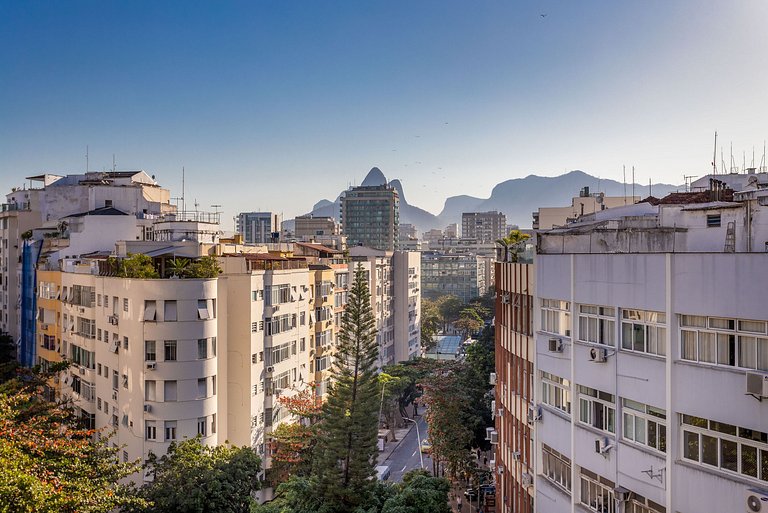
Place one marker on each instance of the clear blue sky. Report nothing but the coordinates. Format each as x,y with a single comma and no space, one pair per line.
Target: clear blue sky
275,105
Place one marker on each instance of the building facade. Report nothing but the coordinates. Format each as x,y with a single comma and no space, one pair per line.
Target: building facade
486,227
370,216
259,227
458,274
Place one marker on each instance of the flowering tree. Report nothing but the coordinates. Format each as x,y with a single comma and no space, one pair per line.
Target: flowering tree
292,444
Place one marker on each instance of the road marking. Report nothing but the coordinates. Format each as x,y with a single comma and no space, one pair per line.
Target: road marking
403,469
414,454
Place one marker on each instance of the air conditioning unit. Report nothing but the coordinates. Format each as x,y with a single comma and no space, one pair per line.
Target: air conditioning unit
494,437
115,346
325,299
603,445
270,369
492,378
756,500
82,370
757,384
534,413
151,365
114,395
499,470
147,408
491,464
113,320
488,432
516,455
598,355
555,345
526,480
44,327
500,412
622,494
505,299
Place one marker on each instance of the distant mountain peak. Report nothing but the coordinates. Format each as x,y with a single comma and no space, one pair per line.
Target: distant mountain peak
399,188
374,177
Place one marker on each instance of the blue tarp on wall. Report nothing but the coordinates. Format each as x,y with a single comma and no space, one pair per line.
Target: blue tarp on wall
27,346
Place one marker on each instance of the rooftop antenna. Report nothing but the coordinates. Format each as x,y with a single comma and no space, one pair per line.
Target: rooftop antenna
744,161
762,162
732,162
624,171
753,156
688,182
722,160
714,156
633,184
183,191
650,187
114,166
86,158
216,208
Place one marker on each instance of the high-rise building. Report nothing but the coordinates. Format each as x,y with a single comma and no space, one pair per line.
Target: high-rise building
484,226
259,227
649,345
370,216
458,274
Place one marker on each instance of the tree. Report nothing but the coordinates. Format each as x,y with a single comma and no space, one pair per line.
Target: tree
419,493
292,445
430,323
203,479
178,266
512,242
469,321
8,362
48,462
347,440
204,267
137,265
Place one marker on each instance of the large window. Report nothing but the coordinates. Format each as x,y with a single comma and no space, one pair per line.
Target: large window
556,316
597,409
556,467
556,392
644,332
279,324
277,294
597,324
725,446
170,350
596,492
720,341
644,424
281,353
150,350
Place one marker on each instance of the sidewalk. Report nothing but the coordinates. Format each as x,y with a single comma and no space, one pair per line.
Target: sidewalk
390,447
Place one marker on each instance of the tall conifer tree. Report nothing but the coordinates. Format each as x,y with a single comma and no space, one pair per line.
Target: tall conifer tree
347,447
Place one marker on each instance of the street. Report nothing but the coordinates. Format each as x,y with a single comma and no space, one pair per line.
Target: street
406,456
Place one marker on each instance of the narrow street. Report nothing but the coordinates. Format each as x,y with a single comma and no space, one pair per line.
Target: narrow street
406,456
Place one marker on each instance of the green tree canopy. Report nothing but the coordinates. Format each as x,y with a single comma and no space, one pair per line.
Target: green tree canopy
203,479
512,245
419,493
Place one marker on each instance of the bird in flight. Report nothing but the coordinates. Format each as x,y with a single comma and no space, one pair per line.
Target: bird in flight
543,15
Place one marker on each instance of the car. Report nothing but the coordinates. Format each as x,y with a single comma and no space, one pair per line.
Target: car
382,472
470,493
426,447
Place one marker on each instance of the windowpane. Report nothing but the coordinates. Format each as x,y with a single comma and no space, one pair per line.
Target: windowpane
762,354
626,335
640,429
150,354
170,350
688,345
691,445
749,460
764,465
169,391
729,455
748,352
638,337
652,434
629,427
169,311
202,348
709,450
726,349
662,438
706,347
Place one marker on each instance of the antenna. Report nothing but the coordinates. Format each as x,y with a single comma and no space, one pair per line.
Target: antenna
216,208
688,182
650,187
86,158
114,166
633,184
744,161
732,162
762,162
714,156
183,191
624,171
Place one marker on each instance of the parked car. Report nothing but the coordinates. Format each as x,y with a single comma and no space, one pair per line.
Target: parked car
426,447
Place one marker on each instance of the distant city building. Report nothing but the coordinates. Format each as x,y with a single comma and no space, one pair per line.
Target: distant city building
370,216
307,227
585,203
408,238
483,226
259,227
463,275
452,231
432,236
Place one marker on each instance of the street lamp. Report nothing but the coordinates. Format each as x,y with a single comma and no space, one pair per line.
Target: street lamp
418,439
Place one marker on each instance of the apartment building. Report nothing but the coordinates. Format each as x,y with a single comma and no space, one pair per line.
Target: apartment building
585,203
514,348
463,275
649,352
259,227
486,227
370,216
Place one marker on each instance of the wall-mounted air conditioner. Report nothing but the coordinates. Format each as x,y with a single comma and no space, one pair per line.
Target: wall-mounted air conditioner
534,413
526,480
555,345
516,455
114,395
494,437
147,408
603,445
756,500
598,355
151,365
492,378
270,369
757,384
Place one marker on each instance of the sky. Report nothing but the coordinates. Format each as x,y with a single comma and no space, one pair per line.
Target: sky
274,105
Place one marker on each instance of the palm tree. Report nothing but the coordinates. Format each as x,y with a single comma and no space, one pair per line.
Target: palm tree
178,266
513,242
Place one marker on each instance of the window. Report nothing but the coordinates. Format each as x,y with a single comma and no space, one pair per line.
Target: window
150,428
202,425
277,294
280,353
170,350
279,324
302,318
644,332
169,311
556,467
115,379
213,385
213,346
596,492
597,324
321,363
106,300
169,392
556,316
713,220
150,310
726,342
125,381
639,504
213,423
170,430
202,388
282,381
150,390
125,304
324,338
255,327
125,342
644,424
202,348
256,295
202,309
725,446
597,409
556,392
150,352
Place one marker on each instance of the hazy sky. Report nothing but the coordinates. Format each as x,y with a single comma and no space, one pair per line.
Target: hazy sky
275,105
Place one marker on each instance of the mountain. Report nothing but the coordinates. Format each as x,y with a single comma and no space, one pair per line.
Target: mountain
518,198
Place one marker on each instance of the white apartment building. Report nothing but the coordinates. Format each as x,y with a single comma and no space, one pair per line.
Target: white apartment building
651,356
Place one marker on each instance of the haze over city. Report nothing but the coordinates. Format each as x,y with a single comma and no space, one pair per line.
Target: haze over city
449,97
